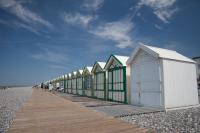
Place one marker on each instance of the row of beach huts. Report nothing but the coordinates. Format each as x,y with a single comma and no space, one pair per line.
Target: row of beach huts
150,77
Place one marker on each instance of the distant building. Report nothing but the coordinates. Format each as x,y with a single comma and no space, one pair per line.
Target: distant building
197,59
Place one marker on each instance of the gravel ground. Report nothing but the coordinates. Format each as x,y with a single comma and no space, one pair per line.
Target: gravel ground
176,121
123,110
10,101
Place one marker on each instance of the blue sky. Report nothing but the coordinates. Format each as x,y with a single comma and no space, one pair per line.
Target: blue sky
40,40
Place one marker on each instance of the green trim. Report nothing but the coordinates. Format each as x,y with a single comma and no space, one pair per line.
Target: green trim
116,90
100,72
97,65
125,85
86,79
99,89
105,86
112,84
82,86
71,87
67,85
94,66
109,59
74,89
112,90
96,84
86,71
96,80
76,86
64,84
78,89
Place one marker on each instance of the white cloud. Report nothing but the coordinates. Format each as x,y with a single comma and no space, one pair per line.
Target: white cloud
50,56
161,8
118,31
17,24
16,8
165,15
27,27
77,19
93,4
157,27
157,3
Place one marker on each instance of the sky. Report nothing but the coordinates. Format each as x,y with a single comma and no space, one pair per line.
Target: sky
43,39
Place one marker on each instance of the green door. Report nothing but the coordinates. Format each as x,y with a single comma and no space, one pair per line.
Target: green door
80,86
69,85
74,86
65,84
117,84
99,88
88,90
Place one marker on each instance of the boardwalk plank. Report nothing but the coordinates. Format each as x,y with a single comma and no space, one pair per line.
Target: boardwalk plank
45,112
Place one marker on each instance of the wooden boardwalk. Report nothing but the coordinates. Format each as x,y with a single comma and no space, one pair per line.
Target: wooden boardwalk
45,112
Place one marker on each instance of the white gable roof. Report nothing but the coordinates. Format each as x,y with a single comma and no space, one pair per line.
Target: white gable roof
80,71
101,64
122,59
69,75
89,68
159,53
74,73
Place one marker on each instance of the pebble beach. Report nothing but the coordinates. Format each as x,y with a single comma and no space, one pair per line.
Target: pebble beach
11,100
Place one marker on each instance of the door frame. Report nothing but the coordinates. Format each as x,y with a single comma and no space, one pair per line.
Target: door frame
123,68
104,84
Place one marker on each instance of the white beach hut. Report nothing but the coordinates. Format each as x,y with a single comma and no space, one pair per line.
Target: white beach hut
162,78
99,80
88,82
61,80
74,83
79,78
118,78
65,83
69,83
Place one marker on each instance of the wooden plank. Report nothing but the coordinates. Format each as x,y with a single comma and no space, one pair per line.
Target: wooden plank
45,112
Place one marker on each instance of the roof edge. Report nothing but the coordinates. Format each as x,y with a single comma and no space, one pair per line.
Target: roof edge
137,49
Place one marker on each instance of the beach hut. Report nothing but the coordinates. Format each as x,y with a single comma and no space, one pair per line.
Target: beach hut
74,82
118,78
65,83
69,83
162,78
54,84
57,83
99,80
197,59
87,81
79,78
61,80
